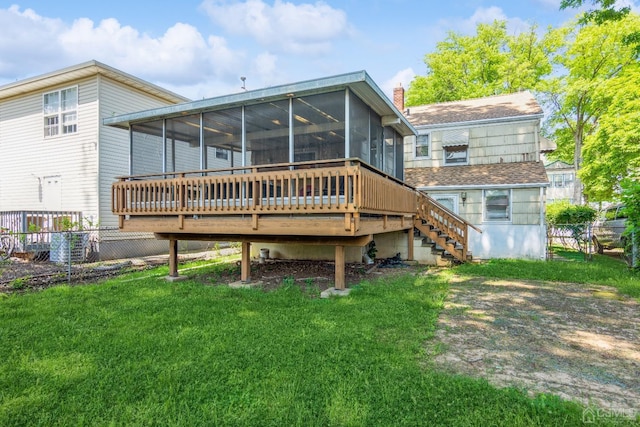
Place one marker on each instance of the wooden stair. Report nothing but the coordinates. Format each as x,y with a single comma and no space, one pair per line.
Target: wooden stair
445,229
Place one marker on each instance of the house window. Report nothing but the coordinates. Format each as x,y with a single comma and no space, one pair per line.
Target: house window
568,179
422,146
456,155
497,205
562,180
455,144
222,154
557,181
60,109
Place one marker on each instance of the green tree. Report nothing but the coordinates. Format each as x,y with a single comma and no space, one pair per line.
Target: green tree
631,199
612,153
593,56
606,10
487,63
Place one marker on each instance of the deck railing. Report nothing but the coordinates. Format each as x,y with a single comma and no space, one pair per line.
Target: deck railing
305,187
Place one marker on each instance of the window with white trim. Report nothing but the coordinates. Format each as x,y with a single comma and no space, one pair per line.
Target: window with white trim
60,109
455,144
456,155
423,146
497,205
557,180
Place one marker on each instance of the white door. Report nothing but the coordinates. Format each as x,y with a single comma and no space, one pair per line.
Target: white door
52,193
449,201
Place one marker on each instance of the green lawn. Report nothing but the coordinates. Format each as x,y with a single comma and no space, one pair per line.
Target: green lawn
600,270
138,350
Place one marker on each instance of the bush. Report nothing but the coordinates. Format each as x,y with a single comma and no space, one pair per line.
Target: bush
574,219
562,212
631,199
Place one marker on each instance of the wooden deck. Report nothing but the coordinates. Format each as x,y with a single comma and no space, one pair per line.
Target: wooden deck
340,203
315,199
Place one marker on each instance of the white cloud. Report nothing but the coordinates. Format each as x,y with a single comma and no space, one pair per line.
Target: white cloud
550,4
265,68
22,37
485,15
304,28
402,77
181,56
635,7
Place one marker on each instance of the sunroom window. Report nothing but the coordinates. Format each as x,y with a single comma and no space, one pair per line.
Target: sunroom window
60,109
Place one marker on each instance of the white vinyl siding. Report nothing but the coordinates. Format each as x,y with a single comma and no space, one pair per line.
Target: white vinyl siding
34,157
116,99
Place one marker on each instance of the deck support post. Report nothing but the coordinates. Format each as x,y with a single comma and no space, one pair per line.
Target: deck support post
339,279
173,258
245,266
410,243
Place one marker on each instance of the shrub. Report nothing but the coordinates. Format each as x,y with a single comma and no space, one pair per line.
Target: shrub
631,199
574,219
562,212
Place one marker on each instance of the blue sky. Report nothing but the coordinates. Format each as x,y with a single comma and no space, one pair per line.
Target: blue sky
201,48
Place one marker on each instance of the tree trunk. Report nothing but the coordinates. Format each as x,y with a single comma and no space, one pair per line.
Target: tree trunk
578,198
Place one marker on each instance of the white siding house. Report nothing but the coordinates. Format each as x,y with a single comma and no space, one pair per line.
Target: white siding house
481,158
562,178
57,155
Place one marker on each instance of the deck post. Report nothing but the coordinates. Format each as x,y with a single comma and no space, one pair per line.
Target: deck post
339,279
173,258
245,267
410,243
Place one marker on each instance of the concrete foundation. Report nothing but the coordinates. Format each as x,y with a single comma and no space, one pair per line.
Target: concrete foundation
332,292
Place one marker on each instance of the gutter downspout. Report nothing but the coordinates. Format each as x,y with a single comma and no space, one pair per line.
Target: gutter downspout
543,225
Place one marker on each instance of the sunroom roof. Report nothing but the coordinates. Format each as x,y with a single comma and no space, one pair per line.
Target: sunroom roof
358,82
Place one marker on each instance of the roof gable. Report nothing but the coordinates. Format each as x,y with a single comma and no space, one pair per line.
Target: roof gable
492,108
86,69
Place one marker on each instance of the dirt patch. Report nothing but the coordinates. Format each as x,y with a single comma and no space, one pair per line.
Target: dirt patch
580,342
318,275
21,275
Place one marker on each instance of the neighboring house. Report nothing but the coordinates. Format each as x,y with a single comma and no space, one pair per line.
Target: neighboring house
57,155
562,175
481,159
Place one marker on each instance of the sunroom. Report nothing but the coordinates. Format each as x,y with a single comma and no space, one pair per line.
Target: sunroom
313,163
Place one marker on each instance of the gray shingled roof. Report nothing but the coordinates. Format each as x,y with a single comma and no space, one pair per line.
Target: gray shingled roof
477,175
491,107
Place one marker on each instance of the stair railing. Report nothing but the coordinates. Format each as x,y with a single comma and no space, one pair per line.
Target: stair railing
447,224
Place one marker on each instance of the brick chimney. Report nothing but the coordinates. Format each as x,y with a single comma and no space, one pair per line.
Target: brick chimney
398,97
